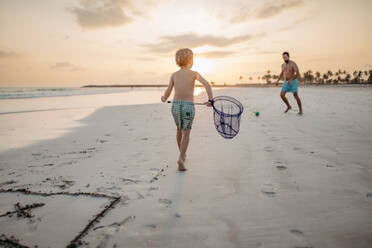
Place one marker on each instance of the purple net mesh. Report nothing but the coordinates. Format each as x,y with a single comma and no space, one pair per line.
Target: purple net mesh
226,114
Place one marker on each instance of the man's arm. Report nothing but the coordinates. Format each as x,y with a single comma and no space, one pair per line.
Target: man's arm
280,76
168,91
296,74
206,85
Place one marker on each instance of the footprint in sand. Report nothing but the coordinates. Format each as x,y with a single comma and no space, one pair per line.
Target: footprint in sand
274,139
129,181
8,182
152,226
280,165
297,232
268,190
65,184
139,196
165,201
268,149
369,195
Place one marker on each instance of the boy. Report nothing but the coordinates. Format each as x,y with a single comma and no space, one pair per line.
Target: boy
183,110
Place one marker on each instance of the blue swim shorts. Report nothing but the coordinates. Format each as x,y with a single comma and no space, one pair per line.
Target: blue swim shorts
293,87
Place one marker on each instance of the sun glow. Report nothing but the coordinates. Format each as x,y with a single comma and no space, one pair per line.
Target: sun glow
197,91
204,66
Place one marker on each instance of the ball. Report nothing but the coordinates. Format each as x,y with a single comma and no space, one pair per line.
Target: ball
257,113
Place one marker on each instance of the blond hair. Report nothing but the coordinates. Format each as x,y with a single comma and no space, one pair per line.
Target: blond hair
184,57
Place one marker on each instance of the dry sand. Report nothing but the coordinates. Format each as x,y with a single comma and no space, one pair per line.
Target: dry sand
284,181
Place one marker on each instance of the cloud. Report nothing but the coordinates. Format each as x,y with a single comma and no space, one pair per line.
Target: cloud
241,15
263,52
4,54
265,10
66,65
95,14
273,8
145,58
295,23
171,43
216,54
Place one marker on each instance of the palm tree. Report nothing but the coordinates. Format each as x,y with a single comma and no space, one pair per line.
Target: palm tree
325,77
267,77
355,79
308,77
360,76
240,79
347,78
317,74
370,77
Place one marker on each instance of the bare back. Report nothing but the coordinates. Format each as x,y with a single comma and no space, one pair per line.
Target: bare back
184,84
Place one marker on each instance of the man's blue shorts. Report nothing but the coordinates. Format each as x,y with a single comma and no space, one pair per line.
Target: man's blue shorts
293,87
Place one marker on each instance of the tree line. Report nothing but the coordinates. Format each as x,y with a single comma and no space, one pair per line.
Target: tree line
329,77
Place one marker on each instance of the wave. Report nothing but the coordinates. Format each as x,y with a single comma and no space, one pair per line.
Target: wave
20,93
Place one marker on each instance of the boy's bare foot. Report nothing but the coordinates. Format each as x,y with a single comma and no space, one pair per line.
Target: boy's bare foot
289,108
300,113
184,158
181,165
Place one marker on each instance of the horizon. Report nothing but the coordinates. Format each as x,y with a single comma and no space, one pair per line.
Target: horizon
76,43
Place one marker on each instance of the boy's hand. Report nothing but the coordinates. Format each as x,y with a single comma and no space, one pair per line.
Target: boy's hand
208,104
163,99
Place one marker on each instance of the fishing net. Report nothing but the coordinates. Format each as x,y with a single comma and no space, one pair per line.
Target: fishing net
227,113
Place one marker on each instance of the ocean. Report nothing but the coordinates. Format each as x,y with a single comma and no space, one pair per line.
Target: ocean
33,92
29,115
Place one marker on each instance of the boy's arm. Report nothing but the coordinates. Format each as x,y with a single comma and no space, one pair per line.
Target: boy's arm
168,91
206,85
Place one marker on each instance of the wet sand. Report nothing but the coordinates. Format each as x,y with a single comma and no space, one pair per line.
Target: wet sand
284,181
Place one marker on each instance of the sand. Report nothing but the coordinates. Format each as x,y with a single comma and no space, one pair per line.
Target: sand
284,181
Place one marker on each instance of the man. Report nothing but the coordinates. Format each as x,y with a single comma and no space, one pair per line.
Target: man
290,74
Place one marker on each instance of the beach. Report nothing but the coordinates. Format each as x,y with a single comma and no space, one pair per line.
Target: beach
105,174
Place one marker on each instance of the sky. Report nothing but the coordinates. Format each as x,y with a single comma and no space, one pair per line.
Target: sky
70,43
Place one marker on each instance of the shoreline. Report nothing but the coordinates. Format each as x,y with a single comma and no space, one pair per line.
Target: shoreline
223,86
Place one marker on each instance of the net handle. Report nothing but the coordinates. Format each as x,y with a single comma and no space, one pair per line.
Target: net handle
195,103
